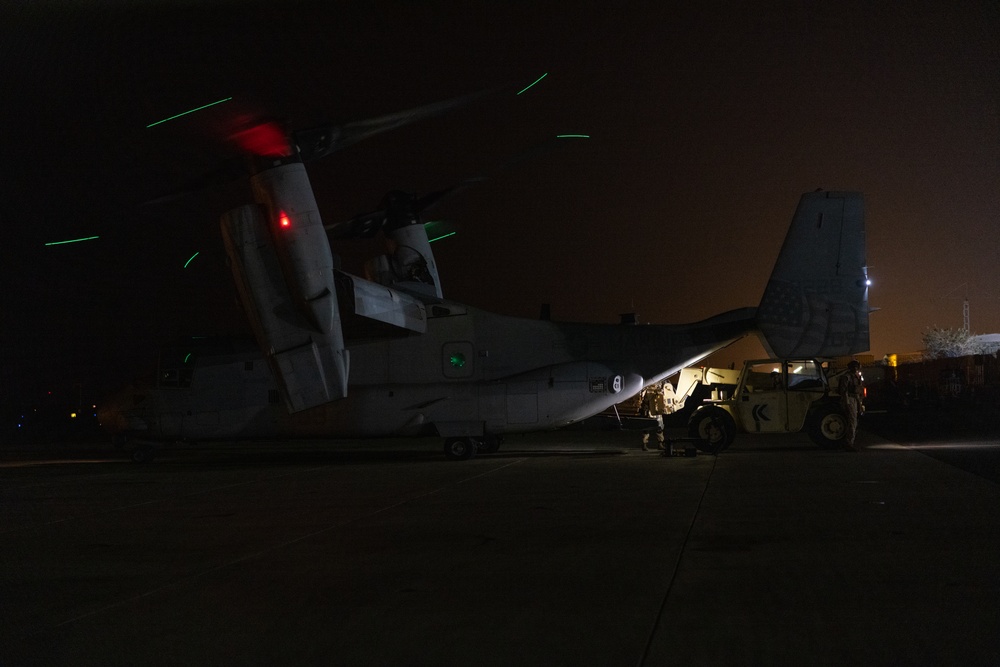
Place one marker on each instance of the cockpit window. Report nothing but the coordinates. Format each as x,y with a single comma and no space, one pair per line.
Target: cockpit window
176,368
175,377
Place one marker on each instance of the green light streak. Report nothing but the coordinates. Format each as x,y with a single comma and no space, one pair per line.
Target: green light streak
187,357
572,136
204,106
191,258
438,238
536,81
86,238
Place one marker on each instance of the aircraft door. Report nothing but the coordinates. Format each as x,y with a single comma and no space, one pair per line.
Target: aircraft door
493,406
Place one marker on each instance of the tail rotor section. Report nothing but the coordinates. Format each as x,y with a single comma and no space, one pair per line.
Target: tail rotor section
816,301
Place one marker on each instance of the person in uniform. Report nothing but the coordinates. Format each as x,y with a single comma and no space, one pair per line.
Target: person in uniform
654,405
851,390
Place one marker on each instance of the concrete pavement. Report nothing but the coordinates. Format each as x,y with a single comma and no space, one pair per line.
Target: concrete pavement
568,548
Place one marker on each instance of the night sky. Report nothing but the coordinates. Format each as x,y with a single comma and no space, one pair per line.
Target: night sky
706,125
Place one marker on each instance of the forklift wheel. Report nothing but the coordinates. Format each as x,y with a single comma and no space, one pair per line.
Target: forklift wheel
714,428
827,426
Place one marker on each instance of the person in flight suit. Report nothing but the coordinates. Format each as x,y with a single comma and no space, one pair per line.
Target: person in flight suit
851,388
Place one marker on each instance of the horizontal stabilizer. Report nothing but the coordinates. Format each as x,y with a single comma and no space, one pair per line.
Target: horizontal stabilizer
816,301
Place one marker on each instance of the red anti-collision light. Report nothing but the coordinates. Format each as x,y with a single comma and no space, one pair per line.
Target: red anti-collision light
263,139
284,221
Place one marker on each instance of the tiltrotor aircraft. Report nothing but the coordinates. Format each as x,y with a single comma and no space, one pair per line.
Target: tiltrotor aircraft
343,356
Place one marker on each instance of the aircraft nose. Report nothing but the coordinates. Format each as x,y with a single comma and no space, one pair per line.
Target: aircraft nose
115,414
111,418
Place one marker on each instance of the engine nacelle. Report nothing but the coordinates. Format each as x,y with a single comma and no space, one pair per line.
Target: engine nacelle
293,312
413,261
300,240
411,266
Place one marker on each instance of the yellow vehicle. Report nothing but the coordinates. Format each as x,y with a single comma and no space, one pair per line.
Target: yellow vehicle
766,396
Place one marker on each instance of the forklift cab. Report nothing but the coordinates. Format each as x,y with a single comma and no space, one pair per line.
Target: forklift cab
776,395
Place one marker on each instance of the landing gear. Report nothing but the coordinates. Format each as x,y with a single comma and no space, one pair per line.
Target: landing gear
465,448
460,449
489,443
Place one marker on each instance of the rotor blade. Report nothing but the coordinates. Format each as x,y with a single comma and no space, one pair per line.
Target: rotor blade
318,142
229,171
365,225
368,224
433,199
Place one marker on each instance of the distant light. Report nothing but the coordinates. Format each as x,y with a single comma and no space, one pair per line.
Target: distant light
284,220
72,415
187,357
86,238
533,83
204,106
191,258
868,283
443,236
572,136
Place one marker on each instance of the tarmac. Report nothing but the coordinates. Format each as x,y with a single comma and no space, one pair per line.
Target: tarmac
565,548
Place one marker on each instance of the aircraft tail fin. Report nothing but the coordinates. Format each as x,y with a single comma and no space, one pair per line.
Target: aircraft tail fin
816,301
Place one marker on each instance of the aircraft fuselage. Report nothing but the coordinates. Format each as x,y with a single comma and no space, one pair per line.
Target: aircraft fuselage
471,373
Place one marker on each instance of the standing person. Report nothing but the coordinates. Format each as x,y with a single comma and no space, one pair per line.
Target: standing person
851,390
653,405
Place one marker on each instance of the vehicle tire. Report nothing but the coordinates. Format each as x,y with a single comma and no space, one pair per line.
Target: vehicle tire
459,449
714,428
489,444
827,426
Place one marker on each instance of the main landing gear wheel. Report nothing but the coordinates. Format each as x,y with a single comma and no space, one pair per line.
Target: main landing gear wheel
714,428
489,444
460,449
827,426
